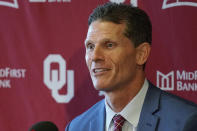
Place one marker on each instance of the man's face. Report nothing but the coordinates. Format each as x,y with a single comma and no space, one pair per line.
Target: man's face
110,56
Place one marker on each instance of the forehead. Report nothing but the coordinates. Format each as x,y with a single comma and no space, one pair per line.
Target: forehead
105,30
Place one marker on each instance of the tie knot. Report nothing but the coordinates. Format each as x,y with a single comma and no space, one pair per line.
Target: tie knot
118,122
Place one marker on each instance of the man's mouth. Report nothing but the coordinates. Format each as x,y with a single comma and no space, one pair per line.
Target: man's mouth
99,71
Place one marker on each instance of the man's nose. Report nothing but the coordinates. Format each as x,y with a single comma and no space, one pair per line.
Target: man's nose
98,54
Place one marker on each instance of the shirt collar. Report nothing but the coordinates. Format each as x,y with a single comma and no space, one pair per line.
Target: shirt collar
131,112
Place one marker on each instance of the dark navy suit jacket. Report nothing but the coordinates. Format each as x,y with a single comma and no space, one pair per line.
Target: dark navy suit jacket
161,111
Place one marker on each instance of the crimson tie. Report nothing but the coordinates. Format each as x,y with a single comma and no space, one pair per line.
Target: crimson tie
118,122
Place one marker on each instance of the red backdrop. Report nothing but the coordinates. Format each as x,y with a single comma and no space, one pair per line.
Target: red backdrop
43,75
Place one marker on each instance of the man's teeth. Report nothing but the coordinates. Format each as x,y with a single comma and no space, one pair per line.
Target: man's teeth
99,70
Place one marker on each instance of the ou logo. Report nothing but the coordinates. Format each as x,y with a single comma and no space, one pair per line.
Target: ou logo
55,79
133,2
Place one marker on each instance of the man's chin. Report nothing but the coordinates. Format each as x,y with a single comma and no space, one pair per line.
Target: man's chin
102,88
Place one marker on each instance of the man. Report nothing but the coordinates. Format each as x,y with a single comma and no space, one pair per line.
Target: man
118,45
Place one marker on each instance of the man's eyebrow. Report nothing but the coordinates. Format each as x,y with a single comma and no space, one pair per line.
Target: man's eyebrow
105,40
87,41
108,40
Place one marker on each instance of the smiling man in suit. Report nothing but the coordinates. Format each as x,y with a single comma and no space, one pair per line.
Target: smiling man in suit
118,44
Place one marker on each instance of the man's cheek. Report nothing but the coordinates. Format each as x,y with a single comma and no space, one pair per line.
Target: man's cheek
87,61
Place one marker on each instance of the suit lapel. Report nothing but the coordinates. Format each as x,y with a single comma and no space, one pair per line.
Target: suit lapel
98,122
148,121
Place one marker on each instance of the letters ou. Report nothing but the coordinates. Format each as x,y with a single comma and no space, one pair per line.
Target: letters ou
133,2
13,4
56,84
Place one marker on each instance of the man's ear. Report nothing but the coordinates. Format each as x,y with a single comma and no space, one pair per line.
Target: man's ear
143,52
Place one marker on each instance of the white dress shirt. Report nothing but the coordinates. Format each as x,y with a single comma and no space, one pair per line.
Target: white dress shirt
131,112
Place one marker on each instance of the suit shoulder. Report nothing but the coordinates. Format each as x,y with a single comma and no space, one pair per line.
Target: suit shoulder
173,101
87,116
91,111
176,101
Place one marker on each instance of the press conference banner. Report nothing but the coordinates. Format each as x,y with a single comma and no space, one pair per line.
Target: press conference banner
43,75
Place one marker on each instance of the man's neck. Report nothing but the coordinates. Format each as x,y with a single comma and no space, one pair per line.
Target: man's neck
118,99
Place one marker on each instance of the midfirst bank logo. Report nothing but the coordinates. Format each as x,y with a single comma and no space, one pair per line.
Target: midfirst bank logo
55,79
177,80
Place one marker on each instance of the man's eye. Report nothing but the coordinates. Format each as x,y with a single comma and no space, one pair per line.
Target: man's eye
90,46
110,45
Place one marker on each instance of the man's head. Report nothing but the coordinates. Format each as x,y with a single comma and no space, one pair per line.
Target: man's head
138,26
114,57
